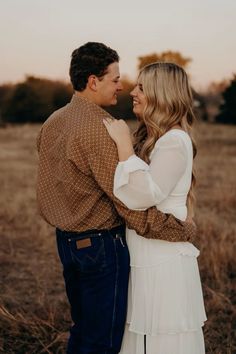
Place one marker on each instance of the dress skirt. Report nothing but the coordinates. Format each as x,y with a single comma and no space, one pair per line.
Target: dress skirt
165,303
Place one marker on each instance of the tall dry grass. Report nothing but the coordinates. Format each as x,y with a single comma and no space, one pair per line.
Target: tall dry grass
34,315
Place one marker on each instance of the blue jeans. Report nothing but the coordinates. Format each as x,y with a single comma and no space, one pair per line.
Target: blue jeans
96,271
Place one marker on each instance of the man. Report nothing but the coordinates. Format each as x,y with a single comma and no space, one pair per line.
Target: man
77,160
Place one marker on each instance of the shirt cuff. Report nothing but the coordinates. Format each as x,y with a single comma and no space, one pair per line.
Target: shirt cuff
124,168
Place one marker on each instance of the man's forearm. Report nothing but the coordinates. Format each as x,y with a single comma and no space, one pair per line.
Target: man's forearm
153,224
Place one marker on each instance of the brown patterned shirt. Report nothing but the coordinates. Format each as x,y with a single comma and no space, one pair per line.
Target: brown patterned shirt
77,161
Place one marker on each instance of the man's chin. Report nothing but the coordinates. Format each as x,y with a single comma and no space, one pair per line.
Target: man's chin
113,102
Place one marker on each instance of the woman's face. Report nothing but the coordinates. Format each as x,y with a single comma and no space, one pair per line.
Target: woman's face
139,99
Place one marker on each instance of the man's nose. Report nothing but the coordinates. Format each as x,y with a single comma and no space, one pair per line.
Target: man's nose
120,86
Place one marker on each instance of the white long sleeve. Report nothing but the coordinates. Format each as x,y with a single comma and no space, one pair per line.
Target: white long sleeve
140,186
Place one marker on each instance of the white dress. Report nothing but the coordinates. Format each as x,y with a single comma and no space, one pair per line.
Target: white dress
165,302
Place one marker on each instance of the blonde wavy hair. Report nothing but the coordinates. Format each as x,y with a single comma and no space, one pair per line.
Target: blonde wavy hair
169,103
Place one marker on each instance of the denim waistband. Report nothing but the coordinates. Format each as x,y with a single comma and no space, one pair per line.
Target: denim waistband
94,232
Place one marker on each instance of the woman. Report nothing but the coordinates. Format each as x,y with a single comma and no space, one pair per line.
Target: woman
165,309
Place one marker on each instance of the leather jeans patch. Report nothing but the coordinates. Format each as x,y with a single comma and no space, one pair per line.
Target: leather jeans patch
86,242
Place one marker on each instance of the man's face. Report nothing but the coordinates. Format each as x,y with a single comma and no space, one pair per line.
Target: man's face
109,86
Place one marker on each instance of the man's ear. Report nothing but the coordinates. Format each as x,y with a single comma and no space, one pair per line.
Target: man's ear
92,82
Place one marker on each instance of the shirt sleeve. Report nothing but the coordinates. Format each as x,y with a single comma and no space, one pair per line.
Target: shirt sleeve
38,140
101,155
140,186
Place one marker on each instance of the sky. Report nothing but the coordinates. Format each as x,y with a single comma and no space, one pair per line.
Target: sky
38,36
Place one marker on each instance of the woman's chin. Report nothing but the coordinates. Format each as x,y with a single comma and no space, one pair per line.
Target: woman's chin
137,112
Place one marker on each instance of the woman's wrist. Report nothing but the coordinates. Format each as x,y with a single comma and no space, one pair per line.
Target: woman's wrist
125,151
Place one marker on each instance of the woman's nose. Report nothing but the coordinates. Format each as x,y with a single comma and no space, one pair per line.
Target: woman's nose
132,93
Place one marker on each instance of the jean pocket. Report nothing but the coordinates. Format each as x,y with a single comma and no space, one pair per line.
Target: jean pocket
88,254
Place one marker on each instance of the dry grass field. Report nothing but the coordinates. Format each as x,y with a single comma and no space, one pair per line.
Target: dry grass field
34,315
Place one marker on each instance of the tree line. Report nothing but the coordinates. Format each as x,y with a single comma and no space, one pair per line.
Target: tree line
34,99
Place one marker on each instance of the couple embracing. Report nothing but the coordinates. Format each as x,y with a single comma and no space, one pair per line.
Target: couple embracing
119,204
